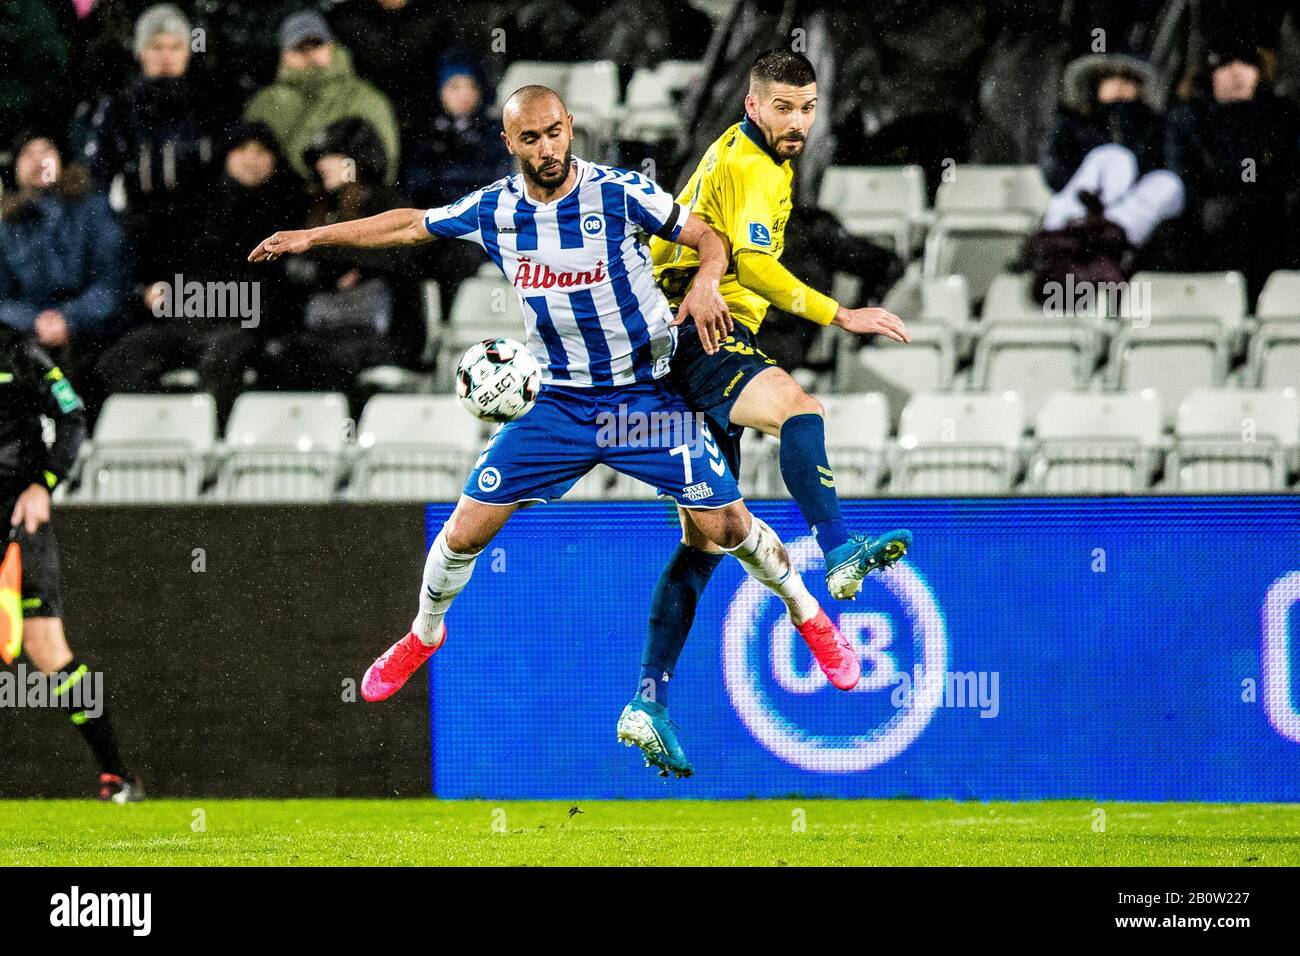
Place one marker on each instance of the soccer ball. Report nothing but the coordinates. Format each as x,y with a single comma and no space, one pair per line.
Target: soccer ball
498,380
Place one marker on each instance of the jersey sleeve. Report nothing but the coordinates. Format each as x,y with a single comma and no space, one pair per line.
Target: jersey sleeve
652,209
58,401
748,196
457,220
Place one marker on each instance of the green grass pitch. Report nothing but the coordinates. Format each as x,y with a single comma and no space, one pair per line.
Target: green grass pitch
756,832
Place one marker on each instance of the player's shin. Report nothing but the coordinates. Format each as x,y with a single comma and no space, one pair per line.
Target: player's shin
808,477
765,558
672,611
446,572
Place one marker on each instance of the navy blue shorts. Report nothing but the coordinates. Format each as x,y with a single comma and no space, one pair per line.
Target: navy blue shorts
712,383
644,430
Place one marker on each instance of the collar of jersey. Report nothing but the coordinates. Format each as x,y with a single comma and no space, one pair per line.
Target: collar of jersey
518,187
758,139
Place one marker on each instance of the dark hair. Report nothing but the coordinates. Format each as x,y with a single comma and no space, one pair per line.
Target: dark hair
783,66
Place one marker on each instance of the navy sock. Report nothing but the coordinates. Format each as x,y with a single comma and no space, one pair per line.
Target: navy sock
808,477
672,610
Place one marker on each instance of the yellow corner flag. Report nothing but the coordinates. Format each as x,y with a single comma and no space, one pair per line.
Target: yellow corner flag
11,604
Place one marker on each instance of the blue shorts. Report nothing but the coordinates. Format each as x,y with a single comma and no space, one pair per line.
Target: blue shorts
712,383
645,430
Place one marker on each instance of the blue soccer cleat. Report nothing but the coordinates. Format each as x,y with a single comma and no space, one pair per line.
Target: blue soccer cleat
852,561
645,724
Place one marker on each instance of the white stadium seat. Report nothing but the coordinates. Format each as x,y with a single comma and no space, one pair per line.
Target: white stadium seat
1096,443
284,446
1275,355
925,364
946,299
884,203
1033,358
150,448
1280,297
530,73
1235,440
484,308
1173,358
652,109
857,430
1192,295
958,444
415,448
983,214
971,188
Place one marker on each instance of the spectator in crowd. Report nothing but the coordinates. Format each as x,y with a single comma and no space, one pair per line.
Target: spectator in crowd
316,86
459,147
458,150
1236,147
363,305
62,276
256,194
1106,150
160,135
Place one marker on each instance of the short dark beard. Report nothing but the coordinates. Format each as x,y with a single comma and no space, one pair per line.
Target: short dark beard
775,145
536,178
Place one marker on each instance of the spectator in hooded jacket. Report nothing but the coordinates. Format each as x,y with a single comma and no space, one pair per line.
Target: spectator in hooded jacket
1106,150
1236,146
162,137
255,194
62,270
316,86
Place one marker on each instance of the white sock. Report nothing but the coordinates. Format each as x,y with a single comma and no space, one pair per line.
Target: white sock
765,558
445,576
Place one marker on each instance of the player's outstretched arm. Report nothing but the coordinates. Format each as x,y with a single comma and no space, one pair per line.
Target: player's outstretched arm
703,301
765,276
397,227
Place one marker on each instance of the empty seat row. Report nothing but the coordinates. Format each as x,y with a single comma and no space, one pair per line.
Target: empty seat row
302,447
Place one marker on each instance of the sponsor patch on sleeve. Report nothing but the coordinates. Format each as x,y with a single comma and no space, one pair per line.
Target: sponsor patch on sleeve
759,234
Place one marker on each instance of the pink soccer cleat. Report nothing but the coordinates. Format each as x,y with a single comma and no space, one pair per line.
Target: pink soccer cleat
835,656
385,677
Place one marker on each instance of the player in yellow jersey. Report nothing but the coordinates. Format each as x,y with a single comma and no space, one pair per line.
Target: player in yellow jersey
741,188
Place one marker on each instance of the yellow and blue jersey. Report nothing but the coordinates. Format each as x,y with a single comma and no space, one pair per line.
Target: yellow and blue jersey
742,189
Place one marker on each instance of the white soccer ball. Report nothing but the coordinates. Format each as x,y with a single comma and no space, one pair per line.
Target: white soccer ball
497,380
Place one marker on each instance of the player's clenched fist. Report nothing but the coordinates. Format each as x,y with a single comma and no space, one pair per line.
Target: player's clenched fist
869,321
281,243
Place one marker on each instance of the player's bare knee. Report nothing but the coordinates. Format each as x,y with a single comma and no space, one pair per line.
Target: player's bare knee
45,644
725,527
693,537
466,533
799,402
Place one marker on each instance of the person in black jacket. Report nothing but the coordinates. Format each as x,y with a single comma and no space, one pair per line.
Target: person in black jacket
1106,149
162,136
1236,146
32,387
256,191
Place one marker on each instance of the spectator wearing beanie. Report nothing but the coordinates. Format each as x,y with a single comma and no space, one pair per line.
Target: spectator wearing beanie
162,138
315,87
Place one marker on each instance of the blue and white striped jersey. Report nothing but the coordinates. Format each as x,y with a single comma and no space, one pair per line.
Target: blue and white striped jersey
592,311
